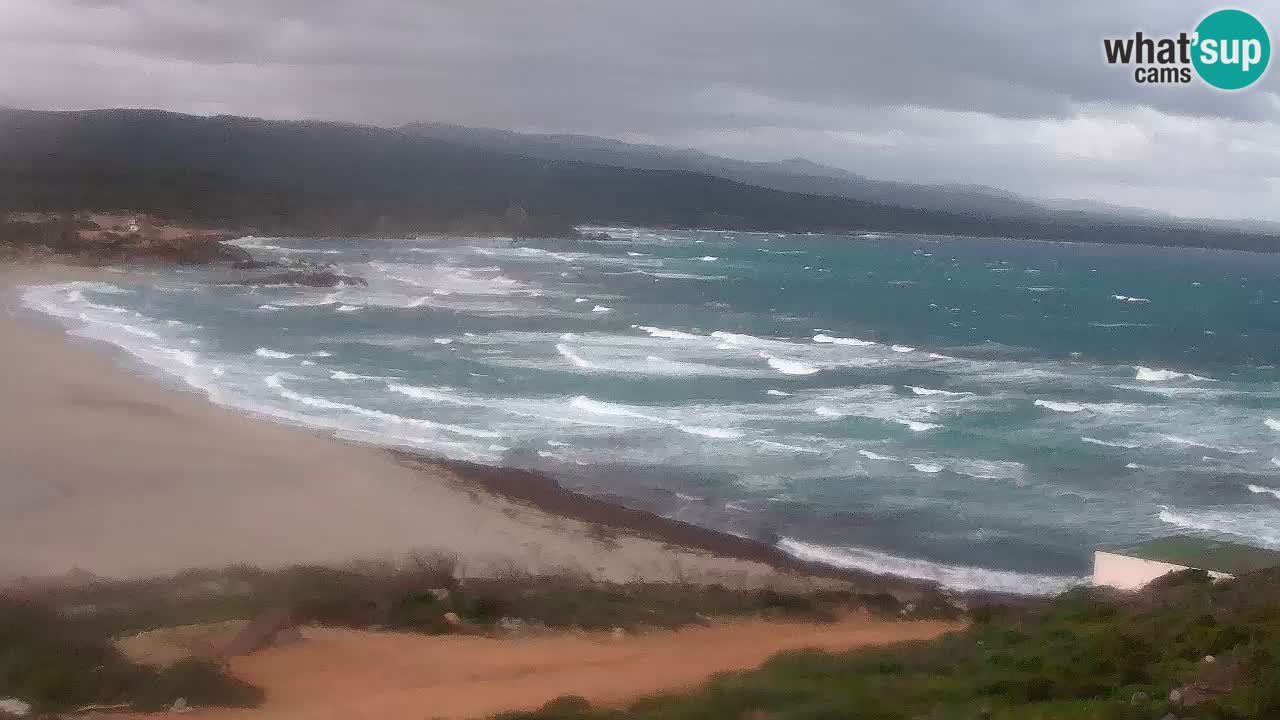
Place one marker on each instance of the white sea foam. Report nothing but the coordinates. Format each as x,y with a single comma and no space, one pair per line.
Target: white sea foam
1272,423
1066,407
344,375
737,339
874,456
276,384
902,348
778,393
790,367
711,432
442,341
1130,299
709,258
1259,527
954,577
573,357
123,327
929,392
1192,442
1109,443
917,426
987,469
1146,374
348,308
432,394
272,354
600,309
269,307
771,445
597,407
1260,490
664,333
250,242
831,340
927,468
825,411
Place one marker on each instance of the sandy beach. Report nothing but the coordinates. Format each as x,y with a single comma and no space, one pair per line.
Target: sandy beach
112,473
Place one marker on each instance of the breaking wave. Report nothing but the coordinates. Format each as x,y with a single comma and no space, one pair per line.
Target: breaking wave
830,340
1146,374
790,367
954,577
1260,490
1256,527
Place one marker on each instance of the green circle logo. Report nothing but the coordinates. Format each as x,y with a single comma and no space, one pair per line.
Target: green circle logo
1231,49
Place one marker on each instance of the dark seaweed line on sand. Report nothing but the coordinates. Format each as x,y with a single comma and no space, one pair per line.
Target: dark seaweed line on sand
545,493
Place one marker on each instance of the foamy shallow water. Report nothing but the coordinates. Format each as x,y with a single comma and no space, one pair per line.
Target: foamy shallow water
901,404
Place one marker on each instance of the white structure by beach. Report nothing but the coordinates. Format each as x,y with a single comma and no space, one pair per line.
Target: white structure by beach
1133,568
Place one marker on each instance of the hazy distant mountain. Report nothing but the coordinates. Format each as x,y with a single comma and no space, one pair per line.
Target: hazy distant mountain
1097,207
330,178
793,175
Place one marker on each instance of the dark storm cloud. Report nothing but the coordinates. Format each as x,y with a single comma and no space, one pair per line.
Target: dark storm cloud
625,67
729,74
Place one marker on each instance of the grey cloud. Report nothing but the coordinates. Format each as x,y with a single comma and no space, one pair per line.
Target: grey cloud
1001,57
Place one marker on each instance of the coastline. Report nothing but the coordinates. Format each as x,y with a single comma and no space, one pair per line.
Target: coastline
118,475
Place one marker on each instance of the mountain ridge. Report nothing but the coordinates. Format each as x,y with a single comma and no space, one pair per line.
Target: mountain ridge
325,178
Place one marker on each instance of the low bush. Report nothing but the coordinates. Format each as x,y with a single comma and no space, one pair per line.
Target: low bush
1084,655
57,663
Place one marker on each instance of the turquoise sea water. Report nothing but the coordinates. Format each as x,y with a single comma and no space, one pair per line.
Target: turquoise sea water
978,411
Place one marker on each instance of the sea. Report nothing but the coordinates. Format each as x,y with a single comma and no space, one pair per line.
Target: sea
979,412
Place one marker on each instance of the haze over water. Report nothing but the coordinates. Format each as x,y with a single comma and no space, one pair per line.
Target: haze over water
982,412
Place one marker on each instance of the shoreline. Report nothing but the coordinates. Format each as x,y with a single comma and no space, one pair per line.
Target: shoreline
544,492
575,531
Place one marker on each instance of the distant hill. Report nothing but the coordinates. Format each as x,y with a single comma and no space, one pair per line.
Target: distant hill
793,175
330,178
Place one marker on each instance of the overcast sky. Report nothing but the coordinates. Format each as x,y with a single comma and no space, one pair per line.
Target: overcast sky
1009,93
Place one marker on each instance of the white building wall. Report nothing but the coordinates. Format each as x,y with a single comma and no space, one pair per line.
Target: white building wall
1131,573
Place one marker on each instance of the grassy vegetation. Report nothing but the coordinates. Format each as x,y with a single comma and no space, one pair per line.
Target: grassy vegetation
59,663
415,596
1082,655
56,650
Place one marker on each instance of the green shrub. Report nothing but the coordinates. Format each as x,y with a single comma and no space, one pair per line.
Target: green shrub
1084,655
200,682
58,663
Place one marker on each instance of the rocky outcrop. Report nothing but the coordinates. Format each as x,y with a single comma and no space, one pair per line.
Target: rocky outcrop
142,241
189,250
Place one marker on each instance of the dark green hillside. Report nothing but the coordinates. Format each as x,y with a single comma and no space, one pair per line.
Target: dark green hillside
326,178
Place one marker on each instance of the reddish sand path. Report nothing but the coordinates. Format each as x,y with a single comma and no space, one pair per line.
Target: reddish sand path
352,675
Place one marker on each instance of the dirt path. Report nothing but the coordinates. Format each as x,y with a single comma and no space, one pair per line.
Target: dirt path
352,675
